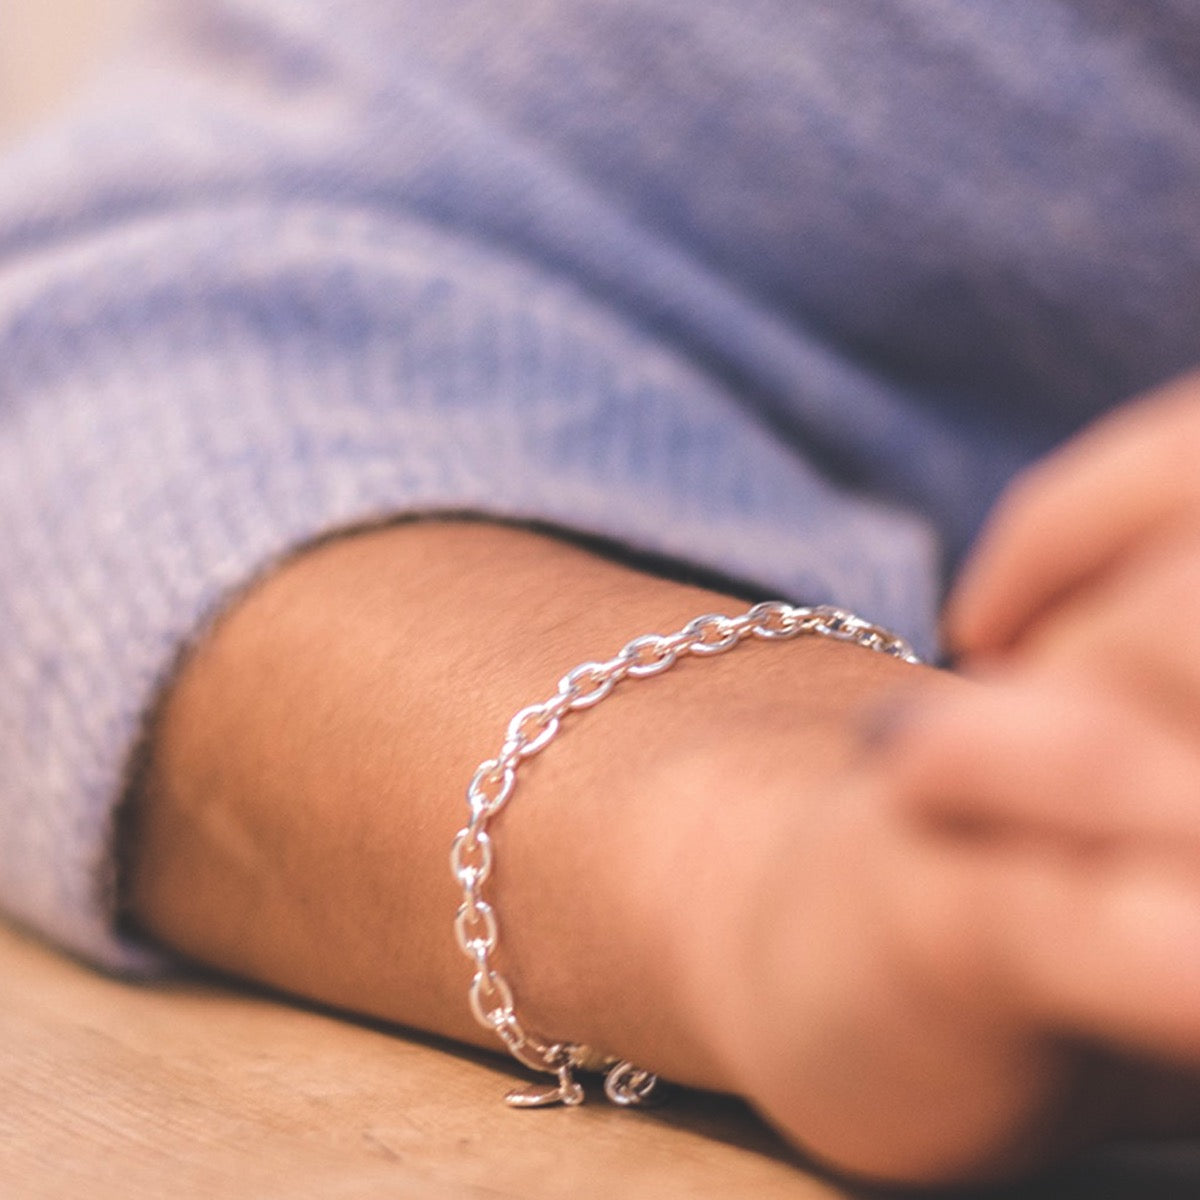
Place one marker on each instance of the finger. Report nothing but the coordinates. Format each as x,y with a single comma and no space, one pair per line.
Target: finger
1120,958
1110,956
1069,518
1129,635
1045,760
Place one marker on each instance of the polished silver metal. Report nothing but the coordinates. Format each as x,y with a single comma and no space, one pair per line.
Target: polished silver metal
568,1090
628,1086
476,927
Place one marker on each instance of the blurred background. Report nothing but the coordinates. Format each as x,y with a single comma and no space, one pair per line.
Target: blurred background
47,46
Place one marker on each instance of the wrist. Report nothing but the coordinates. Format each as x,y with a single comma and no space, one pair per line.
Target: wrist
687,788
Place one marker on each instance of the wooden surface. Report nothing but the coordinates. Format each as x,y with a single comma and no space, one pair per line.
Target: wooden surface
192,1089
118,1091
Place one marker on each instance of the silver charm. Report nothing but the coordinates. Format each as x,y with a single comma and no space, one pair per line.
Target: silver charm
632,1087
567,1091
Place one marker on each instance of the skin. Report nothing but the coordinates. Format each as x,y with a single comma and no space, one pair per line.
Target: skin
1085,740
936,927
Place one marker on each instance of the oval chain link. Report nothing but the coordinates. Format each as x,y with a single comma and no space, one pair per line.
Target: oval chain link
530,731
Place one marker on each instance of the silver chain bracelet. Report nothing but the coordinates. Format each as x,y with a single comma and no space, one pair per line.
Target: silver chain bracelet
491,787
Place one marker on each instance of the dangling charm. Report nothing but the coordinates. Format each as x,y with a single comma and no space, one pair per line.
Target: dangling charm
632,1087
567,1091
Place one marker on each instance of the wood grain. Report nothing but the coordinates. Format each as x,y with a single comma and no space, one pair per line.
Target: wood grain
192,1089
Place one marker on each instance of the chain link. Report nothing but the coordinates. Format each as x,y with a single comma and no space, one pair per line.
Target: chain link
530,731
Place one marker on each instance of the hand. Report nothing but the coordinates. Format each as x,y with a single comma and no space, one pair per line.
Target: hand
703,875
1070,777
1078,606
1121,502
927,1003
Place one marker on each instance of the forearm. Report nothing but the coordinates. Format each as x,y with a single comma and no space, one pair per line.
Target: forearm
311,761
703,873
